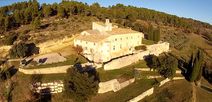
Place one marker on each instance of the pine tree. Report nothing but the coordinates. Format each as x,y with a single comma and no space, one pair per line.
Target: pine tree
47,10
150,32
61,12
6,23
36,23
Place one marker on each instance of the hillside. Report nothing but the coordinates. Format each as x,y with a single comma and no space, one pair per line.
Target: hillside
41,24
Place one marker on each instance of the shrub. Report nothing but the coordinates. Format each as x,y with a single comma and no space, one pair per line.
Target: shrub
142,47
9,40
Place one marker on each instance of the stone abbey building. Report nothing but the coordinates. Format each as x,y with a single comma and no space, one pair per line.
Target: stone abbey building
105,41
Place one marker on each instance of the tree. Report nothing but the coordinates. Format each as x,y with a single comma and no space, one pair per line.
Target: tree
156,35
47,10
196,66
78,49
10,39
36,23
7,23
168,66
22,49
17,16
150,32
81,83
95,9
152,62
61,12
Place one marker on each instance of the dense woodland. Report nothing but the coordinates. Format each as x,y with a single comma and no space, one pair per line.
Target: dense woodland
31,12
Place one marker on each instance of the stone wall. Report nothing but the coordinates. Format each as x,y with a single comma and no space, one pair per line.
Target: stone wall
124,61
51,70
164,81
113,85
141,96
159,48
155,49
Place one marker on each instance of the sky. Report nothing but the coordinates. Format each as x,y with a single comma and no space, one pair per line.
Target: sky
195,9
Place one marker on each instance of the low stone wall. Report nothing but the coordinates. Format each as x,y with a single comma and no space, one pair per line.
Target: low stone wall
52,70
164,81
159,48
141,96
113,85
124,61
155,49
46,88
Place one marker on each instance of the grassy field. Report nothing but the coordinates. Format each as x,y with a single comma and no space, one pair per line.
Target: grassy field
127,71
126,93
174,91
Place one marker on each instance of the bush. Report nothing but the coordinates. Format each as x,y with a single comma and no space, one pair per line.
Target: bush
142,47
21,50
9,40
81,83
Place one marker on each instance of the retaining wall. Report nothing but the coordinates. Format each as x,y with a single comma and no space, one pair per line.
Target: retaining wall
155,49
52,70
113,85
141,96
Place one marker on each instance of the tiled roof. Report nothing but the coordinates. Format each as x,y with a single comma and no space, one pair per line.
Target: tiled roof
92,37
96,36
117,31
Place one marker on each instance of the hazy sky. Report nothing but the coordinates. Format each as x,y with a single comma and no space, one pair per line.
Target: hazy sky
196,9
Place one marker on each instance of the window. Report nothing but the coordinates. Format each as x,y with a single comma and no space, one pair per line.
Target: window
120,38
86,42
115,39
120,47
131,37
114,48
86,48
94,44
127,37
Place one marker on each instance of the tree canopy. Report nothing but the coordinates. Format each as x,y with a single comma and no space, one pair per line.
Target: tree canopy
81,83
25,12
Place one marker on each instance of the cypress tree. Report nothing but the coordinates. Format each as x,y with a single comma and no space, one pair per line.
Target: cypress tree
197,66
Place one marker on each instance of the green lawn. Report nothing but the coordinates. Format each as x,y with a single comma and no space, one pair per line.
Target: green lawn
127,93
127,71
175,91
70,61
44,77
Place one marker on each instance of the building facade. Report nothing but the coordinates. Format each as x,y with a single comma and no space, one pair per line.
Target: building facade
105,41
